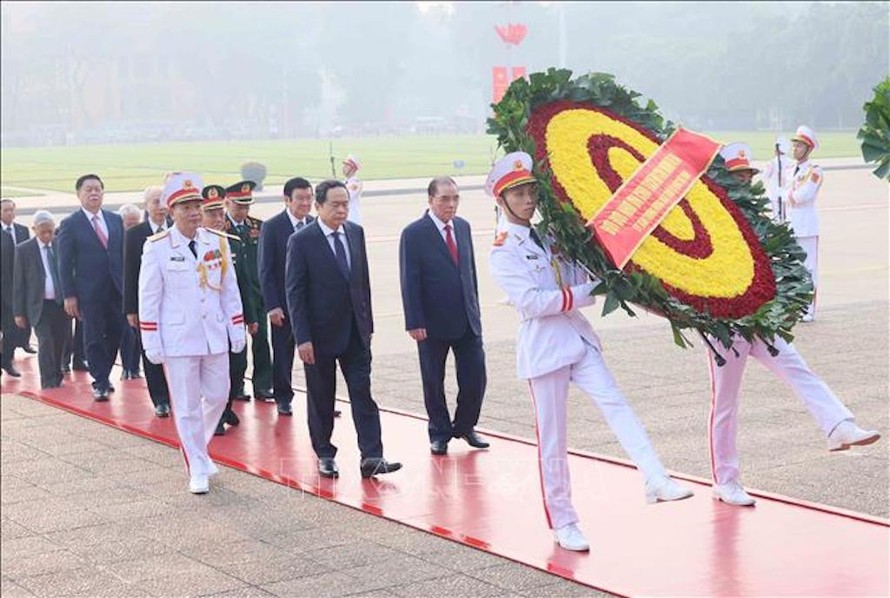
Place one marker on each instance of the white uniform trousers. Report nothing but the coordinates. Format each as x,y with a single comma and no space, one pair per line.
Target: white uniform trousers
199,391
811,246
726,381
550,395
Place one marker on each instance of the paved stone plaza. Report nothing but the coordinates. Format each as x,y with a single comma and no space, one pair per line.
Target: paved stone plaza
88,510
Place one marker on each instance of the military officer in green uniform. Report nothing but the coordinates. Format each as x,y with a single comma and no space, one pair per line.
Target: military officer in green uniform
238,199
213,216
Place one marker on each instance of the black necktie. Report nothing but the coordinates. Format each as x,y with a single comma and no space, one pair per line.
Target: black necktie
340,252
192,247
533,234
796,169
54,273
11,232
300,224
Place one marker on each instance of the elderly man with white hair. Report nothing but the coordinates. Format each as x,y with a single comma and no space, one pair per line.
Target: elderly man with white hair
37,298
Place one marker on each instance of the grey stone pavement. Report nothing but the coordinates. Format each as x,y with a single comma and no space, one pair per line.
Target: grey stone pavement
88,510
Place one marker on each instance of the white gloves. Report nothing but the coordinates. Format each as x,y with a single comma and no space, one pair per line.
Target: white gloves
156,357
239,344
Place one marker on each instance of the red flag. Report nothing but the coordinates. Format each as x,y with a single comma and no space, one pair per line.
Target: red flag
513,33
518,72
499,83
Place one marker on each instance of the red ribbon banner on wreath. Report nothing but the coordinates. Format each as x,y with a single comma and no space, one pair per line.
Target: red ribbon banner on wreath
642,202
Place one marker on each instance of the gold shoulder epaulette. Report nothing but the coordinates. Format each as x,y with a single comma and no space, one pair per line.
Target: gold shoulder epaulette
220,233
159,236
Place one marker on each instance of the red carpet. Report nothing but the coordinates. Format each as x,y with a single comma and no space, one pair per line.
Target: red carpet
491,500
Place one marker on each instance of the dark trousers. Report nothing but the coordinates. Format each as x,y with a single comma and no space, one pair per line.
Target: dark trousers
237,369
74,349
103,324
154,379
7,325
321,380
262,357
469,363
131,349
282,363
53,334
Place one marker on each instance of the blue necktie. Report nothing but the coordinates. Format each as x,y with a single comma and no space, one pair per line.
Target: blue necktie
340,252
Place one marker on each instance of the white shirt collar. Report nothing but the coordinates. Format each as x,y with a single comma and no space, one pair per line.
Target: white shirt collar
328,230
439,224
293,221
90,215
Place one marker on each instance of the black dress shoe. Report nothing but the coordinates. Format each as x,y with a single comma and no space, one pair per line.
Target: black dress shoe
474,440
378,466
162,410
80,366
439,447
285,410
327,468
100,395
10,369
264,395
125,375
230,417
242,397
66,369
220,429
337,413
29,349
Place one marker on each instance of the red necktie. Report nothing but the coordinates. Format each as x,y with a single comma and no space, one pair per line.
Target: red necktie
99,232
452,246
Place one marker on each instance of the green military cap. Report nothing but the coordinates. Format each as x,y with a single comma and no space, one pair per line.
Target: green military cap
241,193
213,197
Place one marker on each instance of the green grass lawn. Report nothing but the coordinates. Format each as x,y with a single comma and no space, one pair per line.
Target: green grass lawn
133,167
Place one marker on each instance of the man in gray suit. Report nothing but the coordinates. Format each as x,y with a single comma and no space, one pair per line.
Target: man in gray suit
38,300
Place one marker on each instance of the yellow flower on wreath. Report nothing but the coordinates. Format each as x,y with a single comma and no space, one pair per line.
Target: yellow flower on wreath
726,273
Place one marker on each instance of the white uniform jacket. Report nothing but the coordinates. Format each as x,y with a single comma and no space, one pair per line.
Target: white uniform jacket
552,333
802,200
354,187
188,306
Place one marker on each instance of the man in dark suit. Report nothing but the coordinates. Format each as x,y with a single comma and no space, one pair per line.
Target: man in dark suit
134,239
91,254
38,298
7,322
272,257
329,302
19,337
440,296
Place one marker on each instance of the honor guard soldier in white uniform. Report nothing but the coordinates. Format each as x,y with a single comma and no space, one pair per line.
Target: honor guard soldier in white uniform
738,161
776,177
555,346
805,183
189,312
835,420
351,166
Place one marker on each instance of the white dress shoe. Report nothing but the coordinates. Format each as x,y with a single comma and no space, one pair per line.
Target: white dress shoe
199,484
571,538
663,489
732,493
848,434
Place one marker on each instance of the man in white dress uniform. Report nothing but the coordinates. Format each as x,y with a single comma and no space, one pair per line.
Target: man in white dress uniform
555,346
189,312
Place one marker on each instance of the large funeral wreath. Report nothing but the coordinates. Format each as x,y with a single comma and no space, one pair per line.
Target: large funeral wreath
716,264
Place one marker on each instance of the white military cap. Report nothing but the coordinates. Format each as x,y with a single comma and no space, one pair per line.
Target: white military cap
353,161
738,157
806,135
510,171
182,186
